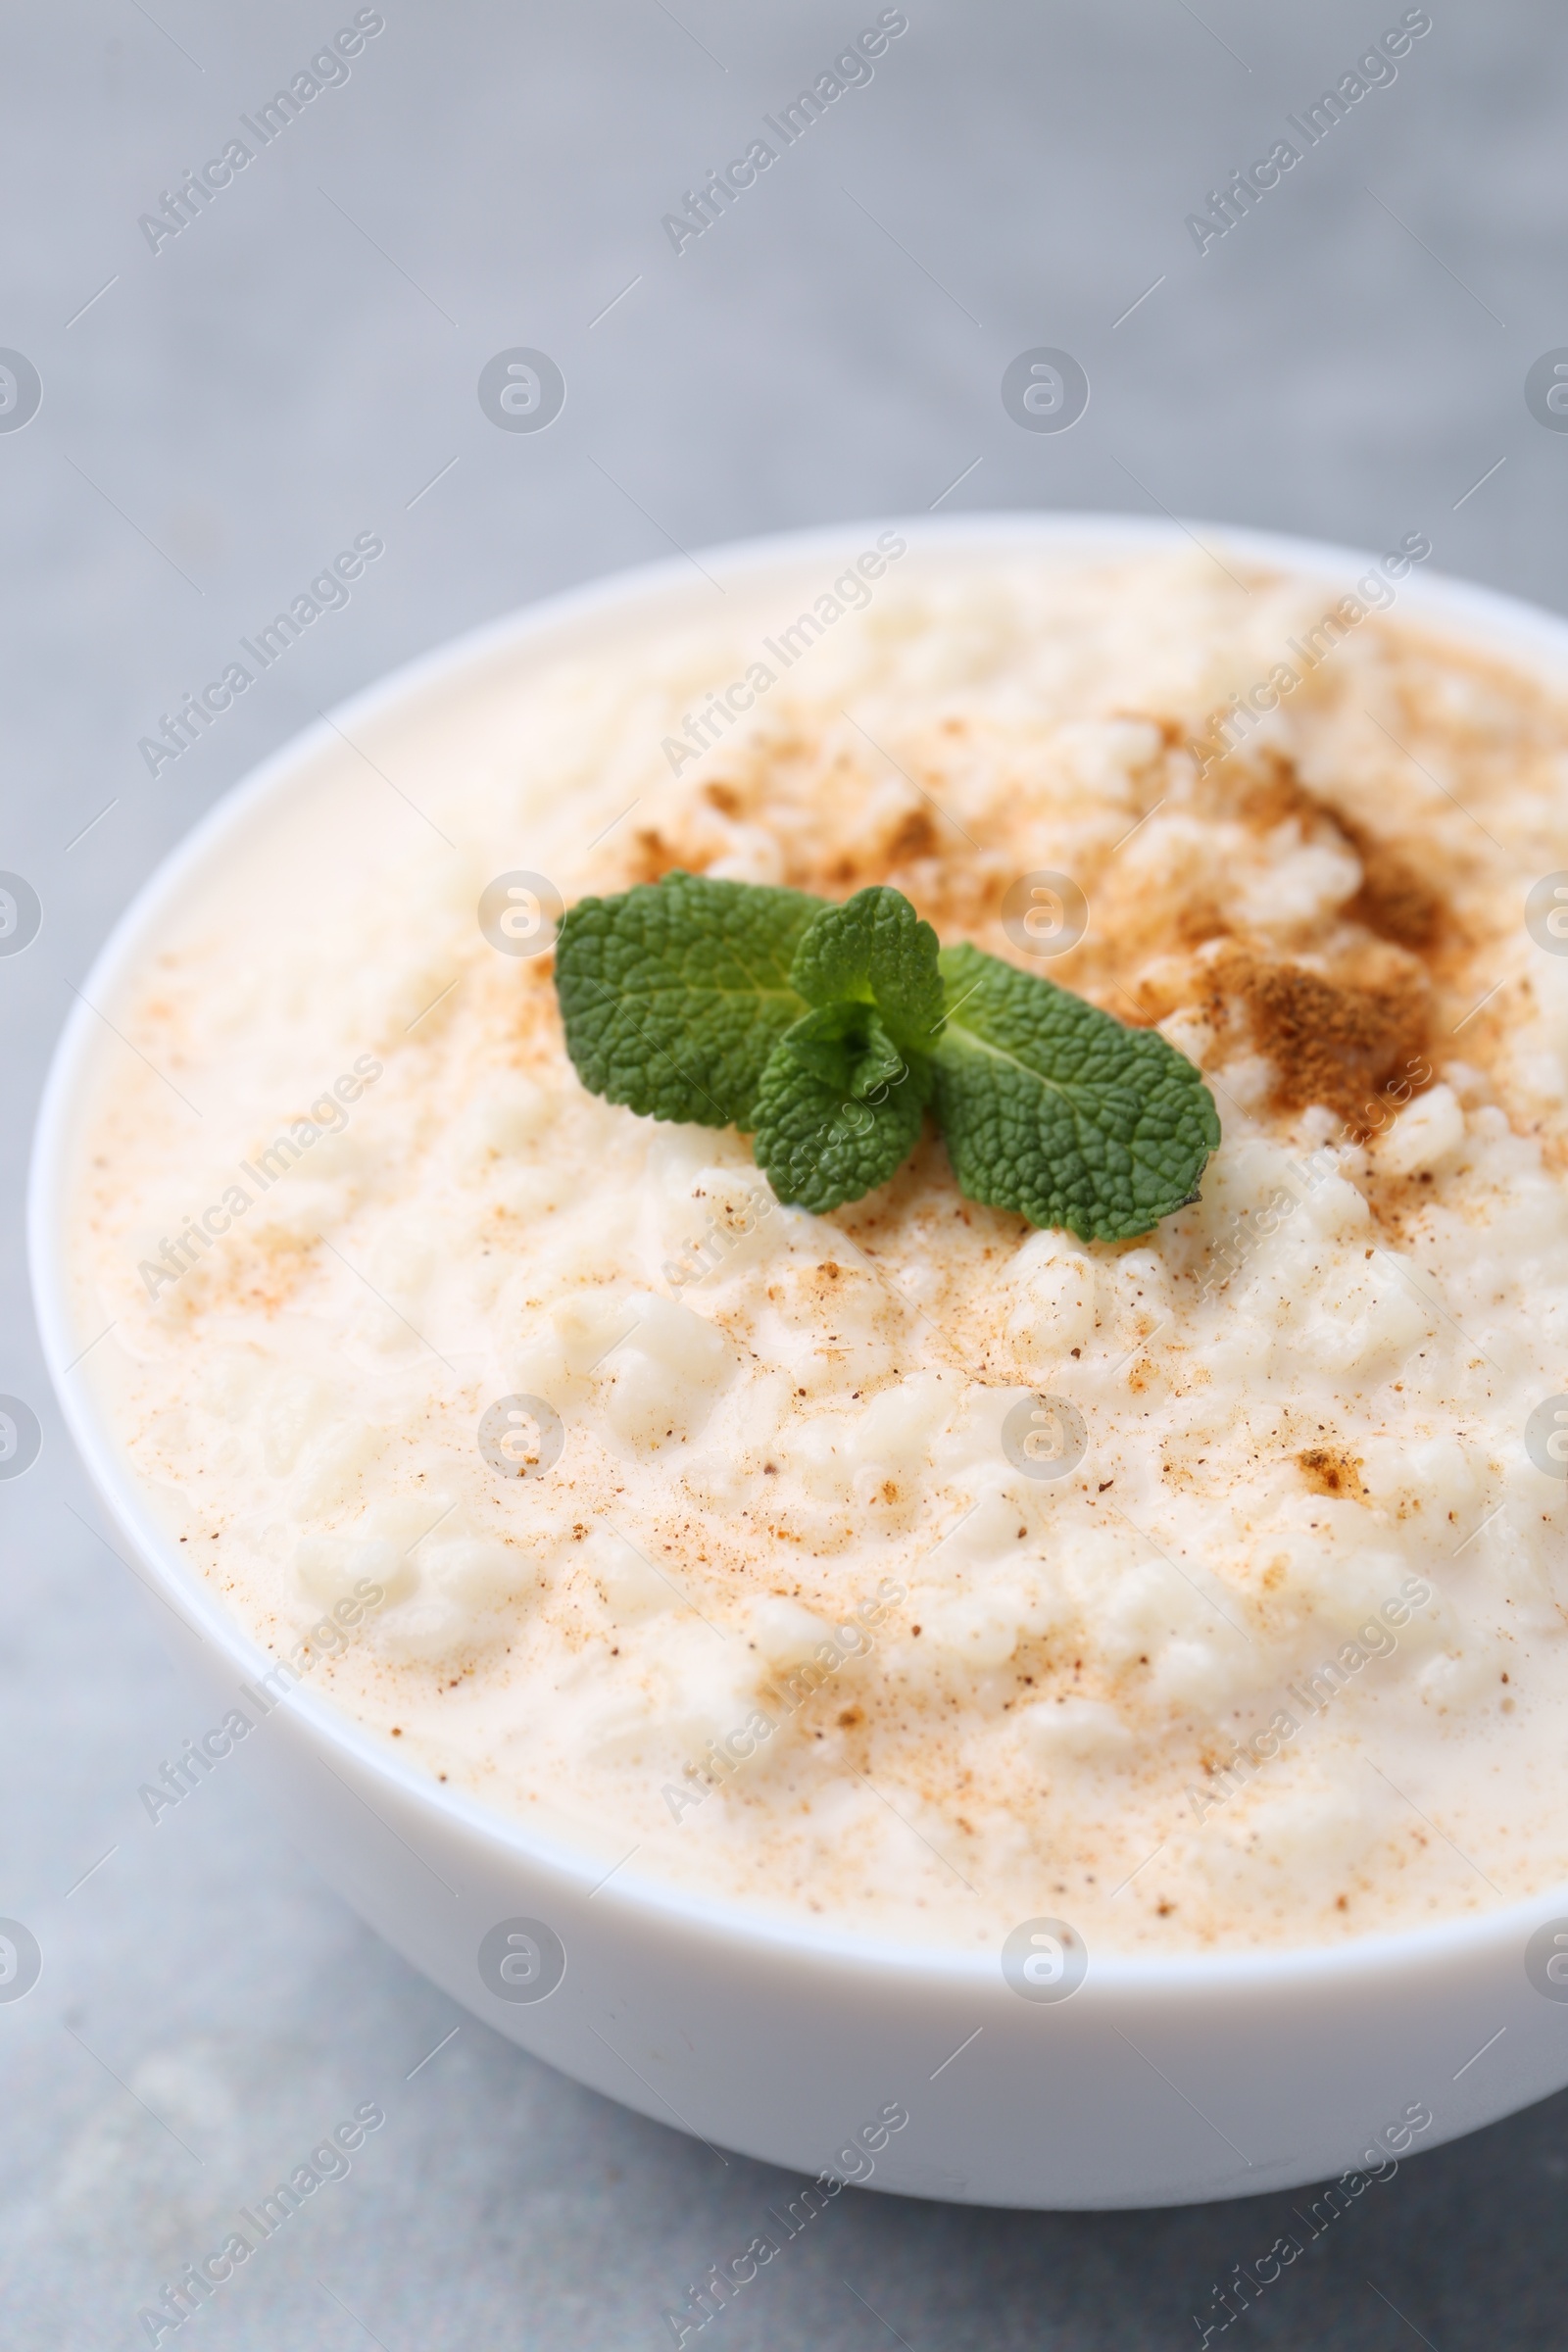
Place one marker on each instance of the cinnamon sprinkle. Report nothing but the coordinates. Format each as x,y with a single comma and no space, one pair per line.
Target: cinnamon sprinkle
1329,1042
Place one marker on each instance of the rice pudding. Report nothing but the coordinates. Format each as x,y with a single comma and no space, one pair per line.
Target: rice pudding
905,1566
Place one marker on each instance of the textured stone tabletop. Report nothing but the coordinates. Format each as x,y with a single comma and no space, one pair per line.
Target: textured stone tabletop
222,408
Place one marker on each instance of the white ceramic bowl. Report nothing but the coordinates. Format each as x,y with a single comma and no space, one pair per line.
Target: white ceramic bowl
1160,2080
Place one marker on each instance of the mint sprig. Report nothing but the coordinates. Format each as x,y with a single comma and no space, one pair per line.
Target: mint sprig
825,1031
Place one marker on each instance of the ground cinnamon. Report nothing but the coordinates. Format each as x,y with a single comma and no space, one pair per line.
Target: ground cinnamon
1329,1042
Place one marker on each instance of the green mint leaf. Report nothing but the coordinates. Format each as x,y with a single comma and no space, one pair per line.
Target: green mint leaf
839,1108
675,993
874,949
1053,1108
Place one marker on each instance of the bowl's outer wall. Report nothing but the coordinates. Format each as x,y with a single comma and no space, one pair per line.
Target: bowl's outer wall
1148,2086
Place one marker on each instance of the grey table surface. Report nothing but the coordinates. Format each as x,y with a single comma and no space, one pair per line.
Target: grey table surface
299,363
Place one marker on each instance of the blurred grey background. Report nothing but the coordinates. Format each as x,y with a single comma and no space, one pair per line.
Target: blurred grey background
301,363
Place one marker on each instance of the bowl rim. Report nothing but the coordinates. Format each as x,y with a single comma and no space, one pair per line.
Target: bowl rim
1505,625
